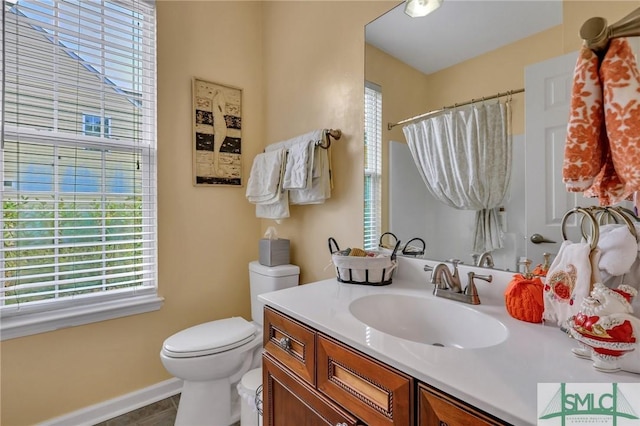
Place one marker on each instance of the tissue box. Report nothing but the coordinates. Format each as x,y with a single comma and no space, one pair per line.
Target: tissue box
274,252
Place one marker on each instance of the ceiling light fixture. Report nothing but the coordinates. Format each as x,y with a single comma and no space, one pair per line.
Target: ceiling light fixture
418,8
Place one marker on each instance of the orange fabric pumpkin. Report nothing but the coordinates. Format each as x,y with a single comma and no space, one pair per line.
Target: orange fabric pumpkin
540,271
523,298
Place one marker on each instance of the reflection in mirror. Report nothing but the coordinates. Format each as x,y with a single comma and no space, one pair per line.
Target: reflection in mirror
489,52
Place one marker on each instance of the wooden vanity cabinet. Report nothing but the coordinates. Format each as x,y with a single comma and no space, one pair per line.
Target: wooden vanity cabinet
311,379
290,401
436,408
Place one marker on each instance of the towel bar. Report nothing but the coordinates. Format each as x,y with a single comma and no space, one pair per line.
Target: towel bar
330,133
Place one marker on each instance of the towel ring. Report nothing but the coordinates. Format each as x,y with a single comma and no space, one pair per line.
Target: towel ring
603,215
619,214
595,231
617,211
629,213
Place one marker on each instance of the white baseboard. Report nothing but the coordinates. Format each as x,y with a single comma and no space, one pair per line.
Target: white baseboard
117,406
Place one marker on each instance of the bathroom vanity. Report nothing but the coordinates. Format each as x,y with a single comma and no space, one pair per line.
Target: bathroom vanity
323,364
310,378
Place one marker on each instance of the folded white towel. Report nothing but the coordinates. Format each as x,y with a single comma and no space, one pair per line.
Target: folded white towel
264,185
317,186
568,282
619,250
276,210
320,189
297,172
312,136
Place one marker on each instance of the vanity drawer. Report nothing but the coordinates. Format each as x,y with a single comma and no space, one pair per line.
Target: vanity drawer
372,391
438,408
291,343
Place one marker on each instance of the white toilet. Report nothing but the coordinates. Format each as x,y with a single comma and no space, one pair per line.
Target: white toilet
211,358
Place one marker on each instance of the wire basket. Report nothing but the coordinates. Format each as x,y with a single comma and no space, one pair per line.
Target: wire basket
409,249
369,270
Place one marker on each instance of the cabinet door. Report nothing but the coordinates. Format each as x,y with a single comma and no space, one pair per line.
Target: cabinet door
374,392
288,401
436,408
291,343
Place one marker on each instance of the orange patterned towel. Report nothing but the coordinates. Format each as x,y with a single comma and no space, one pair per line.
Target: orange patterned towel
602,153
583,150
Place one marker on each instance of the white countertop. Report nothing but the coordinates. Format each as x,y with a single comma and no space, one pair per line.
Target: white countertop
501,380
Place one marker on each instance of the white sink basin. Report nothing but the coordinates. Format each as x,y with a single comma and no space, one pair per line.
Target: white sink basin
429,321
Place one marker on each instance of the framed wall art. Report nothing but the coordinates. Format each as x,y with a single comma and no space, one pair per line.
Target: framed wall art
217,134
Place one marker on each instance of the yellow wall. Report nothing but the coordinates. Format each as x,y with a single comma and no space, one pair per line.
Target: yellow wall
301,66
405,93
309,56
314,69
207,236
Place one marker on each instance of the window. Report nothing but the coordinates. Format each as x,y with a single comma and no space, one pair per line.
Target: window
93,125
78,189
372,165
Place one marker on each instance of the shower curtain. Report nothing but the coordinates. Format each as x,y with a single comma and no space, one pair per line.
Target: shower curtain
464,158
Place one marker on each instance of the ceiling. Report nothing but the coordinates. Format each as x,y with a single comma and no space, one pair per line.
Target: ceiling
459,30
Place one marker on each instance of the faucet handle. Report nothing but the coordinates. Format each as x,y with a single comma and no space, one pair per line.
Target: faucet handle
471,291
428,268
455,263
472,275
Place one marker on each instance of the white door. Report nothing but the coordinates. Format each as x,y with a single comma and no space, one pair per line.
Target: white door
548,87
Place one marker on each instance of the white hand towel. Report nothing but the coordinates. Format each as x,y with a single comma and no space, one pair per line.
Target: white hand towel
313,136
265,177
297,172
619,250
568,282
320,189
276,210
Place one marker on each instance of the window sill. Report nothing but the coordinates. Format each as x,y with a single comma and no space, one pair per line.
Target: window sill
15,326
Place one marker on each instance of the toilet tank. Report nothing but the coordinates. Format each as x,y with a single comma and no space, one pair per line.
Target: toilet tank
264,279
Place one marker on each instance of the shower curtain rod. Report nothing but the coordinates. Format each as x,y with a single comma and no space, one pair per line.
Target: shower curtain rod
472,101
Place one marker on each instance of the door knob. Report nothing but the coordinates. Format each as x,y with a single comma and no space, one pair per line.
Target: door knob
537,239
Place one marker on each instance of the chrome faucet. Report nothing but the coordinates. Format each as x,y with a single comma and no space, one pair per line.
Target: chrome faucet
485,260
444,279
447,284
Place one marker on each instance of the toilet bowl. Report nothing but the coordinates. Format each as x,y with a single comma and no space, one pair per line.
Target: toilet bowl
211,358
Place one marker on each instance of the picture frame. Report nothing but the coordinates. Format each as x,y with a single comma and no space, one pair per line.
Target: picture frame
217,134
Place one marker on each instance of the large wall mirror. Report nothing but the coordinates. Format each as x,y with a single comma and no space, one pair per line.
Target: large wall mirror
472,49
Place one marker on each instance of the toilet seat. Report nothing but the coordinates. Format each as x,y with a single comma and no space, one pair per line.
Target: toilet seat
210,338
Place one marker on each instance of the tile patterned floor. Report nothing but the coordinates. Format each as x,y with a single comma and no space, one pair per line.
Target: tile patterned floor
161,413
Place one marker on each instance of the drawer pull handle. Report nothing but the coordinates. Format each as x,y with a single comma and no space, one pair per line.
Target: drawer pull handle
285,344
341,424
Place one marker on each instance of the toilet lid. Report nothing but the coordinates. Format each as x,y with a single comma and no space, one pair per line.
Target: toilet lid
210,338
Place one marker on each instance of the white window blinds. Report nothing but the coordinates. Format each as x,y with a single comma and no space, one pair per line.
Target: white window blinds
373,165
78,154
